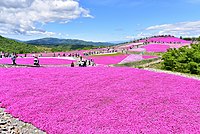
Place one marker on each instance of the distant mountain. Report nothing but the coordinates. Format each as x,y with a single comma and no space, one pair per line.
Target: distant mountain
56,41
10,45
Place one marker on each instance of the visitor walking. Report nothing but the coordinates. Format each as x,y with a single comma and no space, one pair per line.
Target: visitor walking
13,58
81,58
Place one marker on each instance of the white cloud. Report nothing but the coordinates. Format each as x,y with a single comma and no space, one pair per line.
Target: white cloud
15,3
191,28
21,16
139,35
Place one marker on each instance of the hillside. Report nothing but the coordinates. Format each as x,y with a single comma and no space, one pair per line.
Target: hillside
9,45
65,42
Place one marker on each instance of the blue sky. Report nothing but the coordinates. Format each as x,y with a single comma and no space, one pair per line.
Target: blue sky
99,20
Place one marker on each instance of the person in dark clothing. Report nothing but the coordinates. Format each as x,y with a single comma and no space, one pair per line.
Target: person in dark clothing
85,63
81,58
14,59
36,61
72,64
89,62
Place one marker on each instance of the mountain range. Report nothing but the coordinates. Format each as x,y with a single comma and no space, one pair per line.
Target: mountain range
56,42
47,44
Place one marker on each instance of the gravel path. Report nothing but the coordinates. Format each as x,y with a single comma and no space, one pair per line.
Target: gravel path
197,77
10,125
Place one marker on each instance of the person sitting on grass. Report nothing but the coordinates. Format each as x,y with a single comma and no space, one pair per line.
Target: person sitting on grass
36,61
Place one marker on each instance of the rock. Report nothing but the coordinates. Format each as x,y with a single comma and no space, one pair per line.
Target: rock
4,129
11,125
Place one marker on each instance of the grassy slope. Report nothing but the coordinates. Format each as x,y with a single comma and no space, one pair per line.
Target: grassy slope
8,45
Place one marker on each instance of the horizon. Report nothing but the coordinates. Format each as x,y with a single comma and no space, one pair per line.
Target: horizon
98,21
114,42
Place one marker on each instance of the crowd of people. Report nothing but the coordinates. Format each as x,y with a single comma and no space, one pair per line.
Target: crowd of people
6,55
108,50
80,61
84,63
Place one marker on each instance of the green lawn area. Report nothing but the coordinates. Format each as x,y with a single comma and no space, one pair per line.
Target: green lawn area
147,53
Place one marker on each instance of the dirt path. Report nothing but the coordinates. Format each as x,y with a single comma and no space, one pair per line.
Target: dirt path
151,63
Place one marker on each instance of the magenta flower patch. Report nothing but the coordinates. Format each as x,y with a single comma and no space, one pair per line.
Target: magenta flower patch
43,61
101,100
107,60
156,48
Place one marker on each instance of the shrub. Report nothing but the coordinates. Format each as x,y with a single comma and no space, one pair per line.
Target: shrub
185,59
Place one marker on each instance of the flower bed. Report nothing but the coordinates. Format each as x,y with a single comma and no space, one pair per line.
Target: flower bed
43,61
107,60
138,50
156,48
101,100
167,40
149,57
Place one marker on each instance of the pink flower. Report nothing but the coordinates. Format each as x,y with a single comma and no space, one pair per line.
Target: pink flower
156,48
101,100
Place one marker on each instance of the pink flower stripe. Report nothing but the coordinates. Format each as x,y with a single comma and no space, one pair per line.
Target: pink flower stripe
156,48
167,40
138,50
61,53
43,61
149,57
101,100
107,60
137,57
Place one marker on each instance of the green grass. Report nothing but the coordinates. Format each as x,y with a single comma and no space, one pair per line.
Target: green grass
156,66
159,66
147,53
